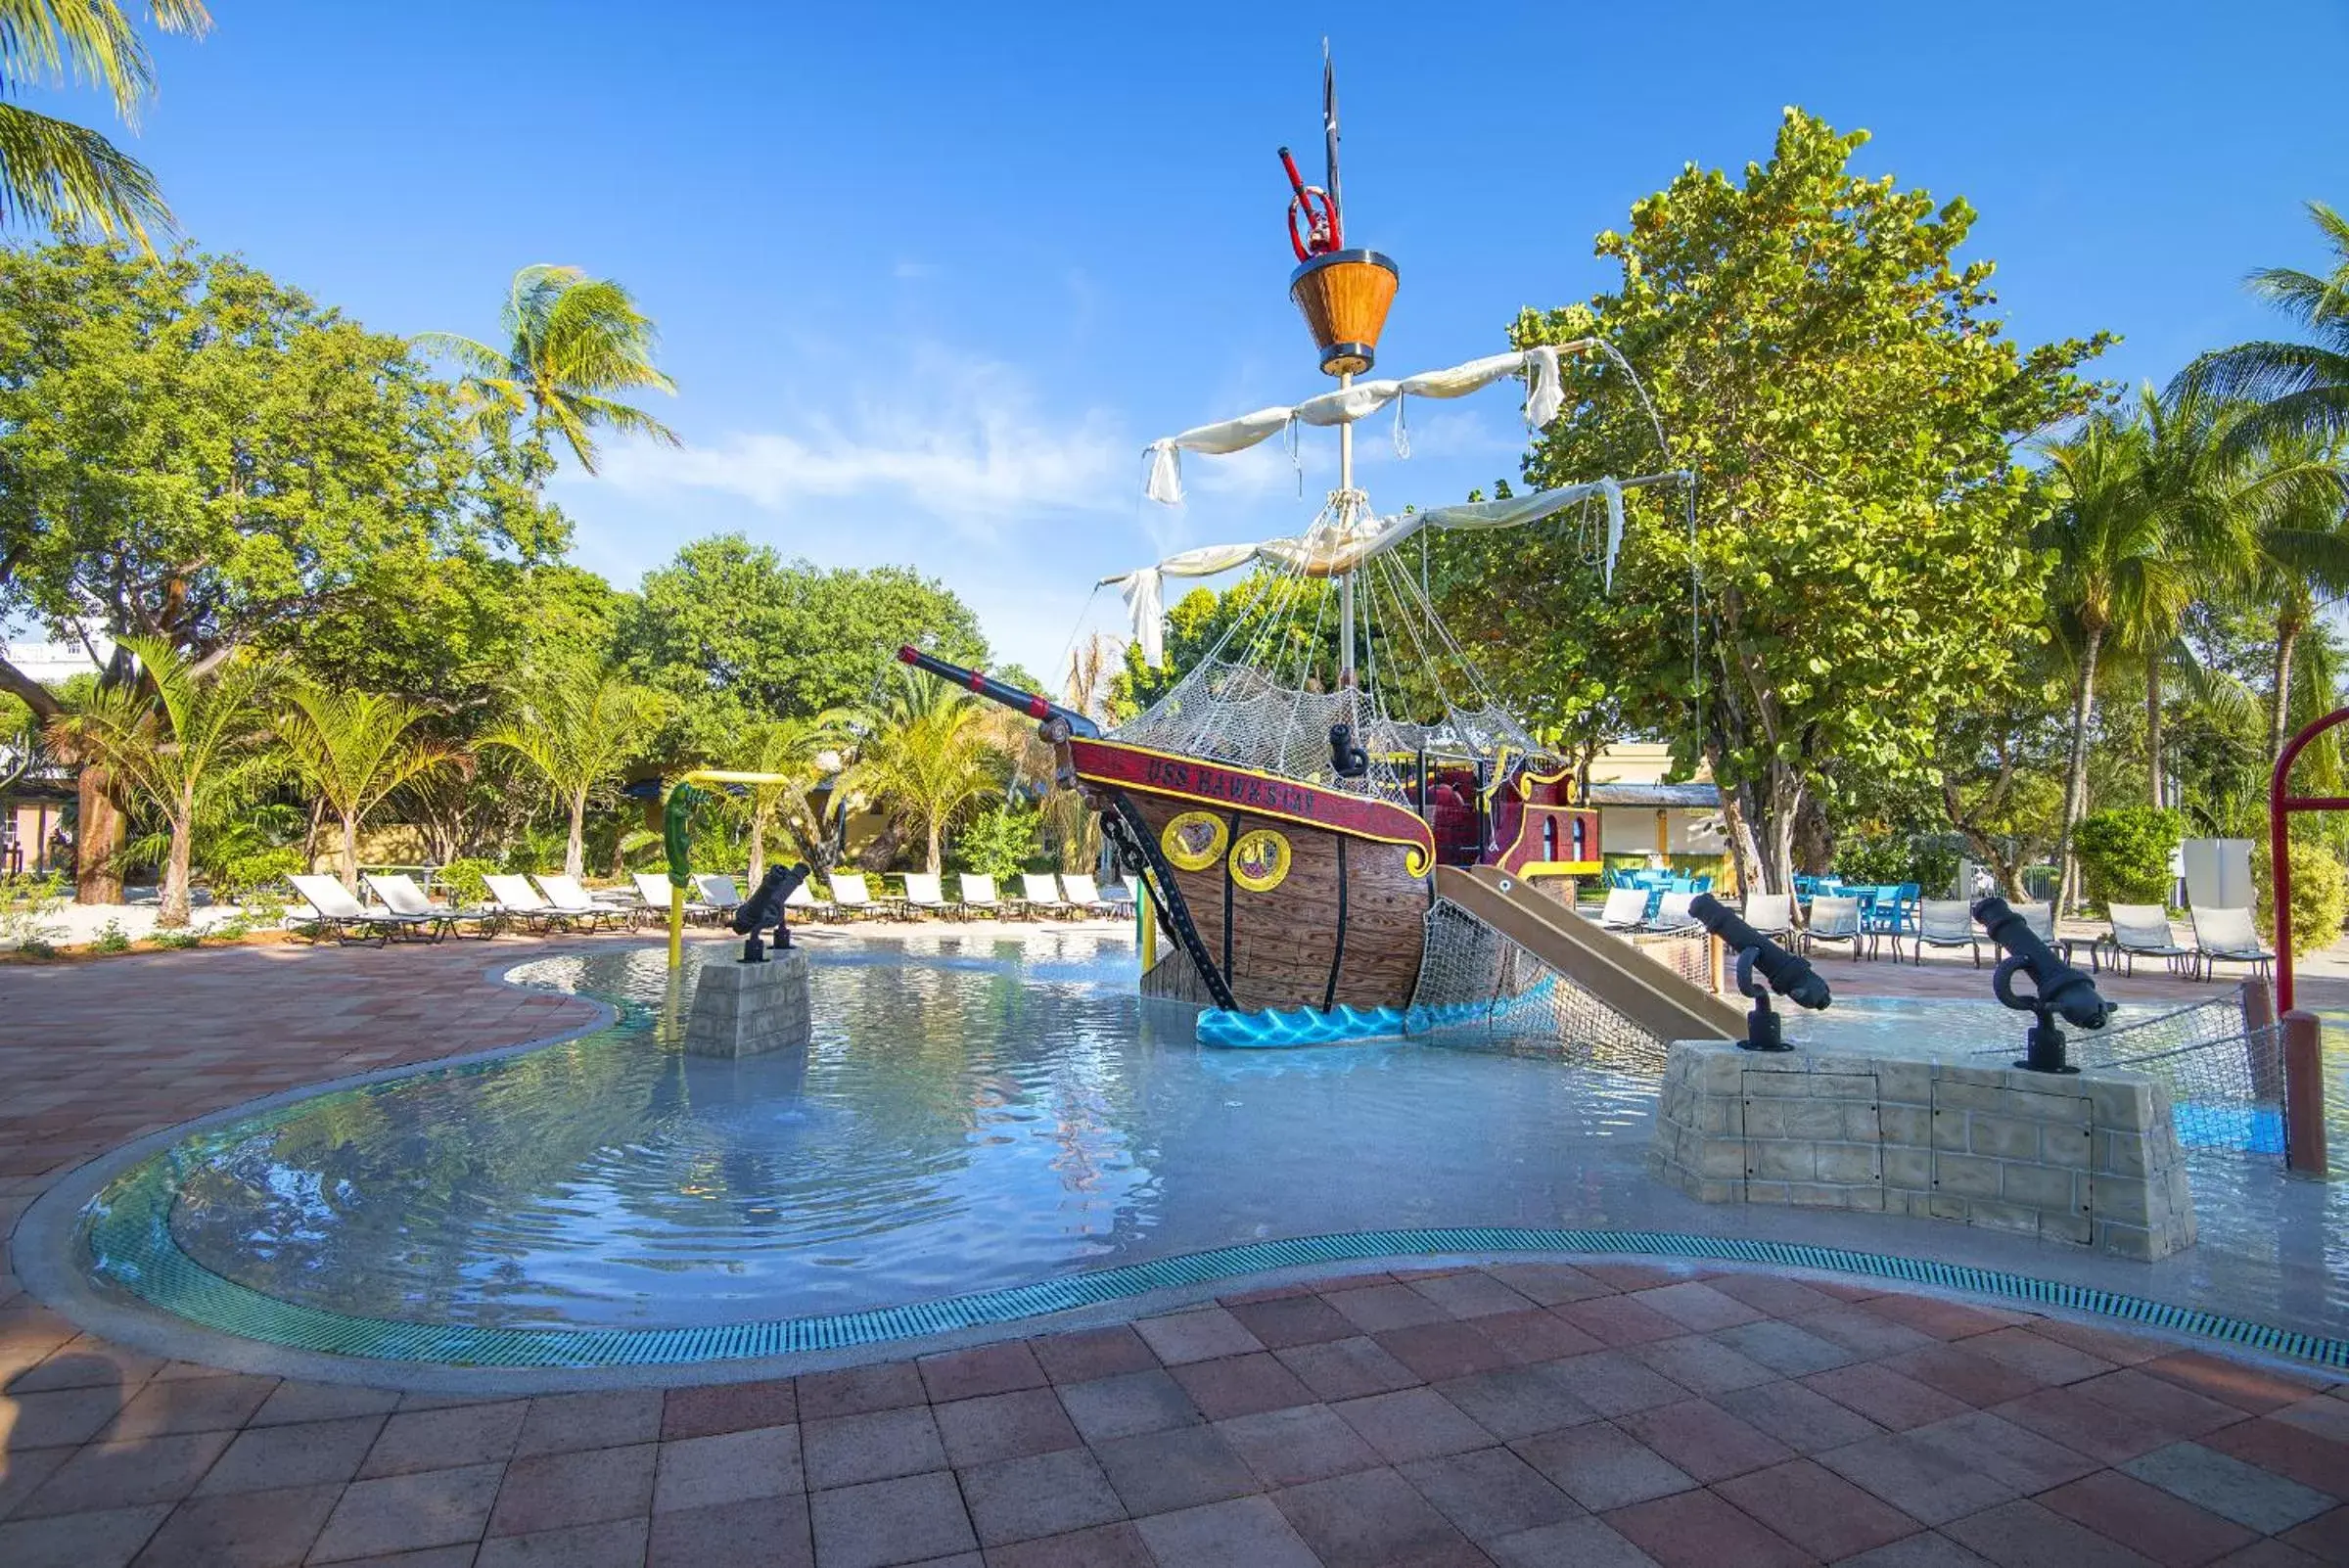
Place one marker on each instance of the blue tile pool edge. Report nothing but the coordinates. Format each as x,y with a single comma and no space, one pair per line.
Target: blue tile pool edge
132,1248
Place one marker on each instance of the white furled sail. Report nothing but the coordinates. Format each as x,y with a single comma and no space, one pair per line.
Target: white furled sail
1544,396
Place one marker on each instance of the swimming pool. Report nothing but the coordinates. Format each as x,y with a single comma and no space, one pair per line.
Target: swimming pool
975,1113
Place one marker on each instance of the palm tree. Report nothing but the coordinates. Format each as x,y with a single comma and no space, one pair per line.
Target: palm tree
179,739
60,175
2298,390
571,340
926,755
577,725
2293,547
795,748
355,748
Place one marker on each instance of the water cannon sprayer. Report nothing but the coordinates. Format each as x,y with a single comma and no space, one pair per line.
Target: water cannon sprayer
2057,989
1788,974
764,908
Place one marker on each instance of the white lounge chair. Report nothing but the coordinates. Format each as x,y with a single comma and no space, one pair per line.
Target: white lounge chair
2142,931
1079,890
1672,914
1120,898
801,899
2228,936
925,894
1835,919
852,897
653,887
979,896
1944,923
338,915
1771,915
1626,909
578,907
1040,893
400,895
516,901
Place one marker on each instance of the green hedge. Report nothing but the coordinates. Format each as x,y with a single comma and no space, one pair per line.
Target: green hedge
2319,897
2125,854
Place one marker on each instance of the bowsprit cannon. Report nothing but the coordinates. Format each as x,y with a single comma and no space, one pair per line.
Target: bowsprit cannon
764,908
2057,987
1788,974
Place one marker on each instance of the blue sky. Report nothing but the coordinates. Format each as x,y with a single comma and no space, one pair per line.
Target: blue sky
929,278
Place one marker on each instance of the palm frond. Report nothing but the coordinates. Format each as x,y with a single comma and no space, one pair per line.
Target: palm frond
73,181
476,357
624,418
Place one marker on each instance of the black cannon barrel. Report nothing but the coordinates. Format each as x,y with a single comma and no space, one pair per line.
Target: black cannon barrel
2062,989
765,907
995,691
1790,975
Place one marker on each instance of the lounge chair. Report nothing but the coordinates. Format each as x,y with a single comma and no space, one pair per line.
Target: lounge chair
2228,936
1945,923
337,914
516,902
1771,915
400,895
581,908
1041,892
926,894
1119,898
1626,909
2142,931
1835,919
802,901
654,888
1079,890
852,897
979,896
1673,916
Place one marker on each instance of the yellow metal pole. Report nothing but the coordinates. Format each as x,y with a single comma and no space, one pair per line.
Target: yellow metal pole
1149,931
676,926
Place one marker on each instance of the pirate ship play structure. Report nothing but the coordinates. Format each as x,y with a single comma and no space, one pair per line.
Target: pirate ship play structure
1336,827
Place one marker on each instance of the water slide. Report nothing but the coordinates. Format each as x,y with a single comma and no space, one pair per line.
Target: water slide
1611,969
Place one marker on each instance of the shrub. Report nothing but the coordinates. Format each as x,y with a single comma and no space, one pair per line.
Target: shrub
1926,859
111,938
177,939
463,878
1000,842
2319,896
25,906
2125,854
240,877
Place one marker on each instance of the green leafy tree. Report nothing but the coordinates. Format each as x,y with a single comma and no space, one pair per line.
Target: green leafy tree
55,174
2126,853
797,749
196,452
577,725
187,736
736,633
925,756
354,749
571,342
1831,372
999,841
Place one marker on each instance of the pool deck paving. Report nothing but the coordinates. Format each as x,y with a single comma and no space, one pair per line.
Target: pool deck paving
1601,1414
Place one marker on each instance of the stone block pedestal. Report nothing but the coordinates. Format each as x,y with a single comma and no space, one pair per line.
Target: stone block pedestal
743,1009
2090,1159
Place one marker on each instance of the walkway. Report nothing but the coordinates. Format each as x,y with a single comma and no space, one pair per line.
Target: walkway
1594,1414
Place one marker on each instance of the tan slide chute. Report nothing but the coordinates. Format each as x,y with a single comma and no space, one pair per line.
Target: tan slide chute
1609,968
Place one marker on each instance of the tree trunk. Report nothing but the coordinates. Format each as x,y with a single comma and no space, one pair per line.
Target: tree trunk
2153,732
350,856
575,852
757,867
174,912
2075,773
936,833
2280,699
98,834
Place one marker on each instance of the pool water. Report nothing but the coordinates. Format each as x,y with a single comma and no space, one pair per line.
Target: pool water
975,1112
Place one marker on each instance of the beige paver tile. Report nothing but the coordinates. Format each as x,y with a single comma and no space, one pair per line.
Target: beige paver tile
406,1512
727,1467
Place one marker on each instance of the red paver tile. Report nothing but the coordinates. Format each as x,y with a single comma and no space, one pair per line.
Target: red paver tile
1941,1320
1884,1395
1917,1478
195,1404
1306,1442
613,1543
1095,1354
553,1491
1583,1542
2037,1356
1619,1320
1864,1333
126,1475
1518,1401
2325,1414
1370,1517
1535,1336
1771,1295
2160,1403
895,1521
1488,1493
1110,1545
246,1528
2070,1417
857,1390
2325,1538
563,1423
1347,1368
446,1439
407,1513
1133,1402
2147,1520
1301,1319
1241,1385
763,1533
64,1417
1440,1351
1549,1284
1697,1307
1044,1495
703,1472
1698,1530
707,1411
307,1454
1375,1309
1246,1532
851,1450
1962,1375
1805,1420
2248,1388
1638,1275
295,1402
1601,1467
1614,1382
1201,1334
1704,1440
2122,1350
1265,1293
1003,1426
1817,1509
979,1371
2288,1451
2024,1534
1413,1424
1701,1364
1472,1294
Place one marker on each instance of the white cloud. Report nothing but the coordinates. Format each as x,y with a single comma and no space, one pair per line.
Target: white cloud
960,440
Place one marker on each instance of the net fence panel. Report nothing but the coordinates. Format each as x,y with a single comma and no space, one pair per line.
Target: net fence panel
1478,990
2226,1079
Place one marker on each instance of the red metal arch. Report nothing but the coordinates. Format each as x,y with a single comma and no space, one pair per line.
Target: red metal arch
2280,807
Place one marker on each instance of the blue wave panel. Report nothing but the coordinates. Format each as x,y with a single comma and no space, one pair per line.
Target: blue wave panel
1273,1028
